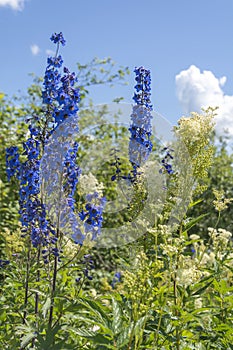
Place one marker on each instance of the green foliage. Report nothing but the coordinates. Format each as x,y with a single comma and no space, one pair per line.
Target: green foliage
12,131
100,71
176,289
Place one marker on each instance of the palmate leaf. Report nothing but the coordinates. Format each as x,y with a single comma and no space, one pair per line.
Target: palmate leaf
47,342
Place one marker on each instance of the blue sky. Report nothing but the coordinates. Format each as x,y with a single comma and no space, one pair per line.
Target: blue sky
186,44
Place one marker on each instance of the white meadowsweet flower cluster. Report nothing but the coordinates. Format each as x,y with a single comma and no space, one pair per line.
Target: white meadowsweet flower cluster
165,231
208,259
219,236
172,246
88,184
194,133
206,255
194,237
198,303
196,128
169,249
221,202
188,271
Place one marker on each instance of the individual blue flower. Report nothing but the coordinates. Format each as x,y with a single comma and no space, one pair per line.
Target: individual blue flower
58,38
31,148
56,61
116,279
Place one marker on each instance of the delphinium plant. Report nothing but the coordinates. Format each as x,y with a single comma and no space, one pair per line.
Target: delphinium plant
49,276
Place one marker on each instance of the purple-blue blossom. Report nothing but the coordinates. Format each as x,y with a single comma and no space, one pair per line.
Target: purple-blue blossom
12,162
167,160
71,172
92,216
57,38
140,145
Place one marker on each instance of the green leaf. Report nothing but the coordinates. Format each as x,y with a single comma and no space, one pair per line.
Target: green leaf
117,316
194,221
202,289
192,204
84,332
26,339
46,307
123,337
96,308
99,339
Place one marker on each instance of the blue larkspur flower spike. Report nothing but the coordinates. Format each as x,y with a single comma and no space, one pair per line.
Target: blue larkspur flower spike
71,174
12,162
32,210
59,93
167,161
60,99
143,89
140,145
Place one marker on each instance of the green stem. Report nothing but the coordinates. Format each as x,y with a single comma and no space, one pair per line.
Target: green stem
28,265
177,314
37,280
53,291
176,304
55,267
68,262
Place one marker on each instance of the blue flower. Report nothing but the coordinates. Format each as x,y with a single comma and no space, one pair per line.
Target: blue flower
71,172
116,279
140,145
142,95
60,94
56,61
166,161
12,162
58,38
4,263
92,216
31,148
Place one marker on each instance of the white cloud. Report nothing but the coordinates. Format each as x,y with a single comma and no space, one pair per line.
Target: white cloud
196,89
50,52
35,49
17,5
